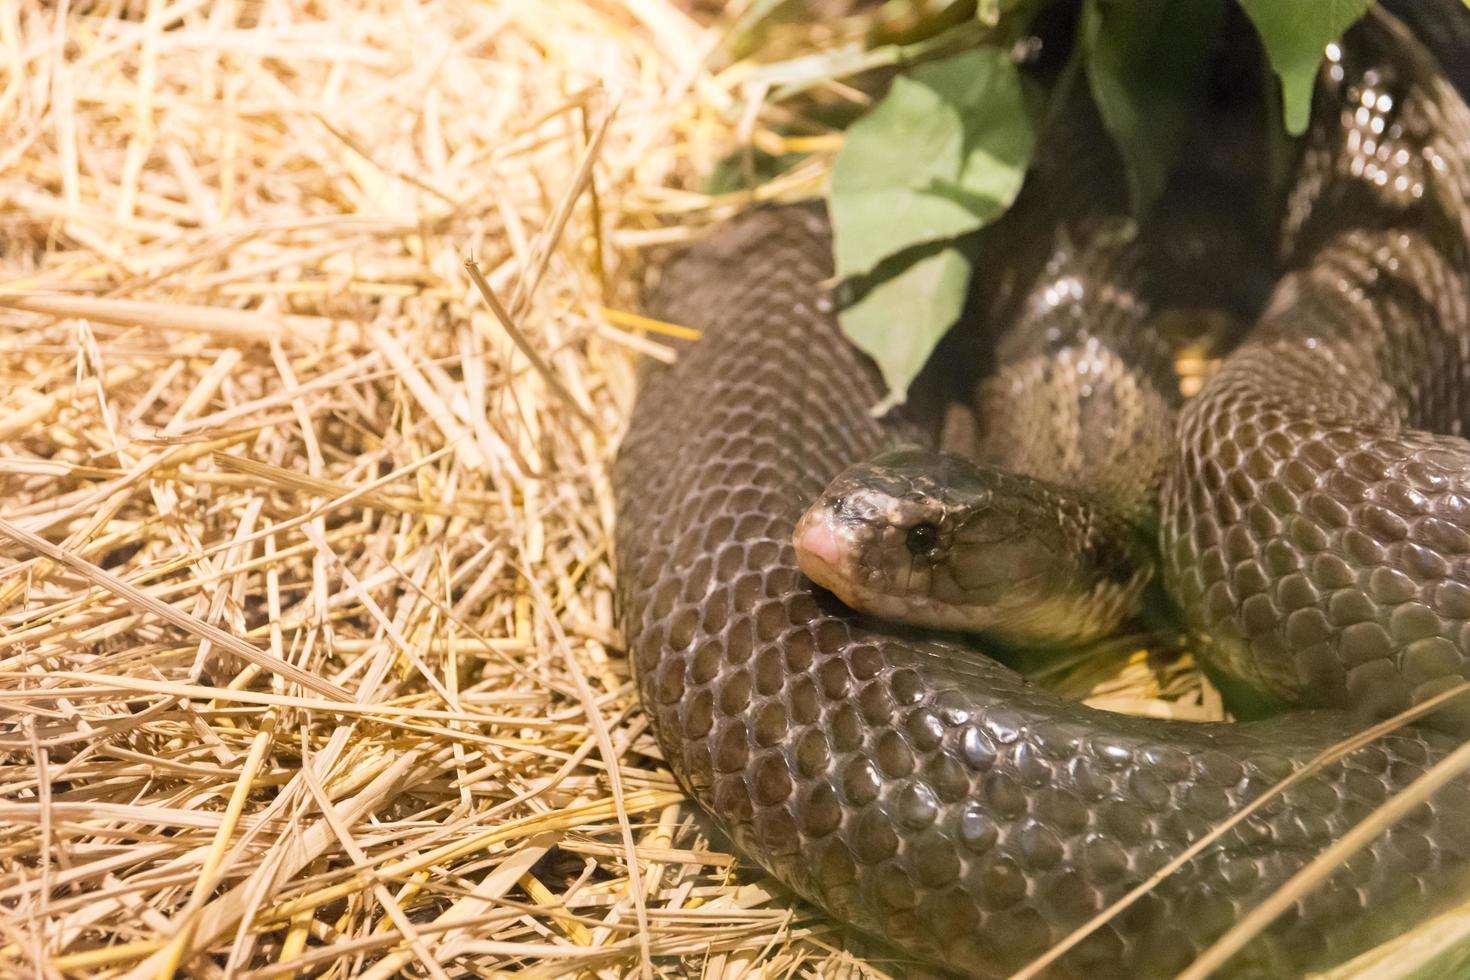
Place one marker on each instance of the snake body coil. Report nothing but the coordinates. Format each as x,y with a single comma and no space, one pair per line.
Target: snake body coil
933,797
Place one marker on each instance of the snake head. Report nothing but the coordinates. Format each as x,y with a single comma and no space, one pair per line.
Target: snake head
933,539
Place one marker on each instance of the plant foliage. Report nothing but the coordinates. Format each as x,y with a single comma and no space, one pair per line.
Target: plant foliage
942,155
945,151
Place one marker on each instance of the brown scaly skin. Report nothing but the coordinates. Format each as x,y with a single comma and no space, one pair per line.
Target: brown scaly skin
1317,537
931,796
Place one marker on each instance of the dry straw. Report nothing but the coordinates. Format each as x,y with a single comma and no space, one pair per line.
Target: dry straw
308,661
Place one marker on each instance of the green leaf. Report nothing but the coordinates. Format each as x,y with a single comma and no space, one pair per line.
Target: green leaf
1295,34
943,153
901,317
1147,62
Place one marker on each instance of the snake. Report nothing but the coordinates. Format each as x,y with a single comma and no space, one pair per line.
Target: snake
1313,529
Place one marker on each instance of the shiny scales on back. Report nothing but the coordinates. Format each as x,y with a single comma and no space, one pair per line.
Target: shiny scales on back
1315,534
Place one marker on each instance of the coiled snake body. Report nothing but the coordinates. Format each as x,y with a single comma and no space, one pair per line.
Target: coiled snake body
1315,536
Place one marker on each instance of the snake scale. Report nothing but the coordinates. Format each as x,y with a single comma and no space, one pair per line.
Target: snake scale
1314,534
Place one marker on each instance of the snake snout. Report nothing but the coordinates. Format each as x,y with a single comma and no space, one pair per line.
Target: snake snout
820,550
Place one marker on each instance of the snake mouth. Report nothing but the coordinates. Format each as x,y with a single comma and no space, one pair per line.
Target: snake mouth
821,551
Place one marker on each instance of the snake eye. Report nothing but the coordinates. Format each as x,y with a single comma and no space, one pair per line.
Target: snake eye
922,538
